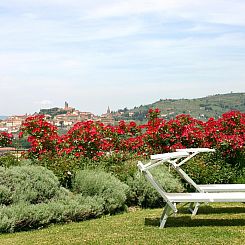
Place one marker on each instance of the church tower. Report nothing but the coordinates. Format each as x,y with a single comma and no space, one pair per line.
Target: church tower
108,110
66,106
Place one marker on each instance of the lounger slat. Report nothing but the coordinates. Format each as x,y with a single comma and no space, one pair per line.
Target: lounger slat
206,197
222,187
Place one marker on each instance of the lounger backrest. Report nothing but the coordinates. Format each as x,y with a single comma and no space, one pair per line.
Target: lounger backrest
193,152
155,184
171,155
173,159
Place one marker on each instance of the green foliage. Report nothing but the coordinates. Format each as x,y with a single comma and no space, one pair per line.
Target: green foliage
53,111
210,169
143,194
21,143
24,216
120,164
64,167
104,185
124,169
240,179
8,159
30,184
238,160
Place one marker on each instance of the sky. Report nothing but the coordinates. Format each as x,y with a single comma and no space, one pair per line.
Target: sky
117,53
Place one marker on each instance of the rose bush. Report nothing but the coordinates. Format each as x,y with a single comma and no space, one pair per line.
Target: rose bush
42,136
92,139
5,139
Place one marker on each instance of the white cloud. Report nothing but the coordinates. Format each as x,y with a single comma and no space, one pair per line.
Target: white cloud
219,11
44,103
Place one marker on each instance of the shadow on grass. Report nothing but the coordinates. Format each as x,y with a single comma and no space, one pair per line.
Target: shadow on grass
189,222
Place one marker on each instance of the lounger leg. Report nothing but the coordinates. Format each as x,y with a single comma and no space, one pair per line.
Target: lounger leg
165,214
193,209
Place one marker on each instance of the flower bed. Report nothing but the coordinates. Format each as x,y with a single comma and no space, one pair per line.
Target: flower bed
92,139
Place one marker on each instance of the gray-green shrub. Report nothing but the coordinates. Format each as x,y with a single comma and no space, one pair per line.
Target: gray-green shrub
143,194
104,185
25,216
32,184
31,197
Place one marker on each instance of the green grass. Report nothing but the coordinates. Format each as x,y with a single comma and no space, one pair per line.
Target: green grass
215,224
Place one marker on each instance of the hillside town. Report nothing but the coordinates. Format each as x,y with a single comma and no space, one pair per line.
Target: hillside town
64,118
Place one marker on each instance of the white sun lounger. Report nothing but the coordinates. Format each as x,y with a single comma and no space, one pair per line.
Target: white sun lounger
172,199
204,187
176,164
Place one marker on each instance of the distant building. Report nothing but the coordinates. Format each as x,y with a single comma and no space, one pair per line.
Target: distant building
67,117
107,118
3,129
108,110
12,124
67,108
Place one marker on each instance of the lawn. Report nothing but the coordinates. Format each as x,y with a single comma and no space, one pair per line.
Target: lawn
215,224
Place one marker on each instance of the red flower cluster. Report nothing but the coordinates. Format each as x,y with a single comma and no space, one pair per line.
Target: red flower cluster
43,136
94,139
227,133
5,139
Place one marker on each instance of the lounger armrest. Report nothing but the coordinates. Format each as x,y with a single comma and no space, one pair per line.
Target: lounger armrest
168,156
195,150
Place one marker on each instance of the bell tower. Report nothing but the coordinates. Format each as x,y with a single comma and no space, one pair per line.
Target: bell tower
66,105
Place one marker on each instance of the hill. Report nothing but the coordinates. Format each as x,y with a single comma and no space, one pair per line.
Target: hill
200,108
53,111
